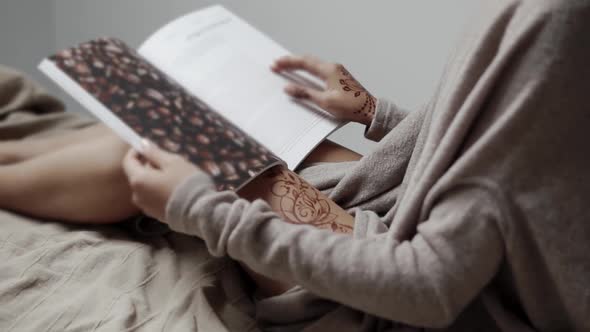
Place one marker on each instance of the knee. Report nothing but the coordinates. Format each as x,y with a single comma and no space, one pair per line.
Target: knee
113,151
116,143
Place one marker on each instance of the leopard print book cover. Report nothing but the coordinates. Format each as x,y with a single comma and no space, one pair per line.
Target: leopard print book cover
159,109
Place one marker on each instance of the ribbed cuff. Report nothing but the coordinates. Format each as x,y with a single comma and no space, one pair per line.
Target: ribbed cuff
183,198
387,116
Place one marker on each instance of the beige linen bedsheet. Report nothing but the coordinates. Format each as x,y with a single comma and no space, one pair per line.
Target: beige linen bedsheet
58,277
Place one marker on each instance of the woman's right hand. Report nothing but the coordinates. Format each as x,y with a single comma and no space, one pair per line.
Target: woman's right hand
343,97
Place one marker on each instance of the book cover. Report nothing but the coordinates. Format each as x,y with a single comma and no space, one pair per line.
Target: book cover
157,108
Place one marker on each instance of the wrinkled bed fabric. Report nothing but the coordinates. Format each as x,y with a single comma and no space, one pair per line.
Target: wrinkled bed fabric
509,110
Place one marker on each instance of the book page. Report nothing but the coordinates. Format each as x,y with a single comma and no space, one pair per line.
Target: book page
226,62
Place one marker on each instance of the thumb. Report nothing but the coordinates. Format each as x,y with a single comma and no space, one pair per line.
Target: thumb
306,93
153,154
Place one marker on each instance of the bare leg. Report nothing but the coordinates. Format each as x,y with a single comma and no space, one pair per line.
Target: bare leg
80,183
21,150
329,151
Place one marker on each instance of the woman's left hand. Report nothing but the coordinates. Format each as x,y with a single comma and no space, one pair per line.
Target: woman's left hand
153,175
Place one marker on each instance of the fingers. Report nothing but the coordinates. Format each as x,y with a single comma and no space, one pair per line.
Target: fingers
308,63
132,165
305,93
154,155
138,172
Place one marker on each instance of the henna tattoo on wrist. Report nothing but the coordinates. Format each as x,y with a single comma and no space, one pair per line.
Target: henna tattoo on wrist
350,84
300,203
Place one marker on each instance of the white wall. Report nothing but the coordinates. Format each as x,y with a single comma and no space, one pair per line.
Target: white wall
27,34
397,48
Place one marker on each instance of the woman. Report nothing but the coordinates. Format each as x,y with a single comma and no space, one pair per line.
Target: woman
471,213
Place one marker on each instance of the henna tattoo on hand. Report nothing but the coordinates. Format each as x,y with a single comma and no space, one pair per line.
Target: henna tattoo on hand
350,84
300,203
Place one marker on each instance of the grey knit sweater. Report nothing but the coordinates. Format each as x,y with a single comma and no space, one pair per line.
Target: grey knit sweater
471,214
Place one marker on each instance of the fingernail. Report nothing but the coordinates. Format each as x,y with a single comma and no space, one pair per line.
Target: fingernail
291,89
145,145
298,92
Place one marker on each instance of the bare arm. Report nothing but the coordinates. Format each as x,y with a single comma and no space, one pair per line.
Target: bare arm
297,201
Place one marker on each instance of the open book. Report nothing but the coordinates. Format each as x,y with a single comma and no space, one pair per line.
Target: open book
200,87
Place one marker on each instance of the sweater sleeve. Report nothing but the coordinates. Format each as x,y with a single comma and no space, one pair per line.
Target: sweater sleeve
387,116
426,281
